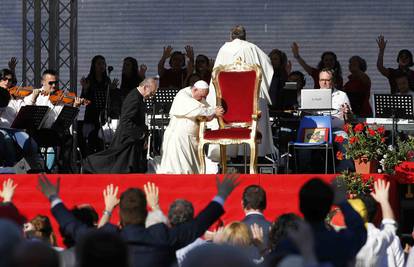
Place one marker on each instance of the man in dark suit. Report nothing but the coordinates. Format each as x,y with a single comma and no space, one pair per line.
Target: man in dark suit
254,203
149,247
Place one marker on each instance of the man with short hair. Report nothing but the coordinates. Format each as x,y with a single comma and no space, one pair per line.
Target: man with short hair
250,54
154,246
254,203
315,200
126,153
180,144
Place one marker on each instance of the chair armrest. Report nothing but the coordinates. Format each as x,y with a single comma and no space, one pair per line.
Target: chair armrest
257,116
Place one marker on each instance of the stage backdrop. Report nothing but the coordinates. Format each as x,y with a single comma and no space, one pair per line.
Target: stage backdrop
282,192
141,28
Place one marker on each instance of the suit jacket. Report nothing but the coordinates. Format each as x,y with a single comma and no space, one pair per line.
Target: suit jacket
154,246
260,220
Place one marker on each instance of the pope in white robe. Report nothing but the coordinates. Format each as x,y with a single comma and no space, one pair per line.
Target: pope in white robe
251,54
180,144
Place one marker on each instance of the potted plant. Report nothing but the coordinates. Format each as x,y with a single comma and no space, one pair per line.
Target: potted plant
365,145
356,185
394,156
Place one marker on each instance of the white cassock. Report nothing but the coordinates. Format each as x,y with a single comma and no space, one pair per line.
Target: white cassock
180,144
251,54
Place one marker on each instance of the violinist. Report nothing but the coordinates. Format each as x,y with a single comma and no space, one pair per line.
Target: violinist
6,76
41,97
9,111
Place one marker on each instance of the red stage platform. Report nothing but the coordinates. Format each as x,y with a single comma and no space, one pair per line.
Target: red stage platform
282,191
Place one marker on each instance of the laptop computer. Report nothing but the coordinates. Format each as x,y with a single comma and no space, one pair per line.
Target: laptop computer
316,99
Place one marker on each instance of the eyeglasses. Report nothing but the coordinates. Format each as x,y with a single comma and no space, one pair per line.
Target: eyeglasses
53,82
7,79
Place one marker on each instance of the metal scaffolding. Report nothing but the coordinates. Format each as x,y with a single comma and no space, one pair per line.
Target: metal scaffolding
50,41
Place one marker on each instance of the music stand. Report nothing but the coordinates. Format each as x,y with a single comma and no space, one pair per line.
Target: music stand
30,117
395,107
65,119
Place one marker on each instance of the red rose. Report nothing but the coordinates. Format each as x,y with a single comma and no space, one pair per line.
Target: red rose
359,128
347,126
383,140
339,139
371,132
381,130
410,154
339,155
353,139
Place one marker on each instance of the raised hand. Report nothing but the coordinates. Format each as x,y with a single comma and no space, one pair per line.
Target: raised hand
151,193
257,235
382,43
295,49
227,185
142,70
167,51
110,197
47,187
7,192
13,63
84,83
189,52
381,189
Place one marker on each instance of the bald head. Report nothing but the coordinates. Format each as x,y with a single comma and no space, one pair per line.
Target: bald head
238,32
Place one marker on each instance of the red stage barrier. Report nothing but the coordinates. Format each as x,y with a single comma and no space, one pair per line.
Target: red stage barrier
282,191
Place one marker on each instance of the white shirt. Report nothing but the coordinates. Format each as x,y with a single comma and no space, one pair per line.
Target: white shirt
374,252
338,99
8,115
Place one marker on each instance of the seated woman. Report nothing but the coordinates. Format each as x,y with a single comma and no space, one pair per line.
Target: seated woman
358,87
328,61
176,75
405,61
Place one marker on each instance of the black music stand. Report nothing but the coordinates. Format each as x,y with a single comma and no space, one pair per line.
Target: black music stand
65,119
30,117
160,104
395,107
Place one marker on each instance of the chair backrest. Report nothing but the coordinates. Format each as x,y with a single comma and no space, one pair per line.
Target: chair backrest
315,129
237,90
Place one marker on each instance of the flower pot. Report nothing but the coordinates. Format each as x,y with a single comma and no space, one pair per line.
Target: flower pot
363,165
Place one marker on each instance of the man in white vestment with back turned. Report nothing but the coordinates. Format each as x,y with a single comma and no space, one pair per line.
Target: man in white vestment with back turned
250,54
180,144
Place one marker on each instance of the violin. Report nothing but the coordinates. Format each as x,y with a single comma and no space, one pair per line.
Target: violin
61,97
20,91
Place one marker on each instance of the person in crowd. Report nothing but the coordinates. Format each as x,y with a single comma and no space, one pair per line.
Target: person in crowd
94,88
177,74
281,69
10,238
203,67
6,78
153,246
315,201
100,248
383,247
279,229
254,203
235,234
405,61
358,87
180,144
403,85
126,153
35,254
249,53
40,228
328,61
132,76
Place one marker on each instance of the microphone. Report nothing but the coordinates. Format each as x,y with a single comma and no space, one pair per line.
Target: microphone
110,69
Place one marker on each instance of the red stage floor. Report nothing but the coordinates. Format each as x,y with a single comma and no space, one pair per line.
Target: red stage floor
282,191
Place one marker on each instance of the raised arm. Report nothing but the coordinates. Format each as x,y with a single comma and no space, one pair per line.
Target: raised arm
305,66
380,61
166,54
111,201
7,192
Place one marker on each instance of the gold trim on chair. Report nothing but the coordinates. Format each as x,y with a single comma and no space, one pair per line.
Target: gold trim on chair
237,66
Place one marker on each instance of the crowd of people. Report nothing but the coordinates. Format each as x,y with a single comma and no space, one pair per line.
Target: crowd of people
148,236
106,100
